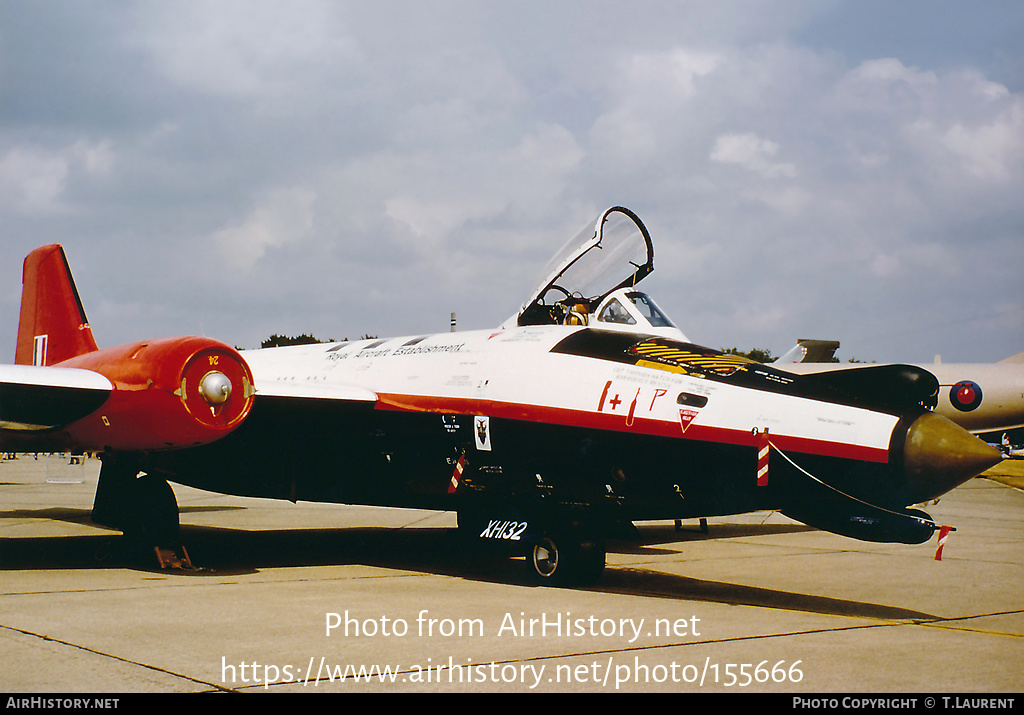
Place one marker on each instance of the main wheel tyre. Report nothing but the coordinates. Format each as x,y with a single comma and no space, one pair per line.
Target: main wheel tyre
568,558
545,558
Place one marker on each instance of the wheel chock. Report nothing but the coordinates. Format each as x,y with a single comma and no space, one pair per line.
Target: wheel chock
169,559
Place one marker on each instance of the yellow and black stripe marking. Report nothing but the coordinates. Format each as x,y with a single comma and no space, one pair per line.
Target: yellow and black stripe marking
656,354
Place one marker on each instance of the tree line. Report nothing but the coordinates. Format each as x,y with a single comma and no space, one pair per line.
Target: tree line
280,341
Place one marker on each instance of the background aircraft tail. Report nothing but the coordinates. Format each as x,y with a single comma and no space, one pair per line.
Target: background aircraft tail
53,326
810,351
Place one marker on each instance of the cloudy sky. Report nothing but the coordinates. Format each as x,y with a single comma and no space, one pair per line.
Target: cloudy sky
828,169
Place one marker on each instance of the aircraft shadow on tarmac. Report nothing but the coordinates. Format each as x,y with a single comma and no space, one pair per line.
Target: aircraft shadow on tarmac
219,551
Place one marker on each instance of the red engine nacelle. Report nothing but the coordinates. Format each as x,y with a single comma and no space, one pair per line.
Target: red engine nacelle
168,394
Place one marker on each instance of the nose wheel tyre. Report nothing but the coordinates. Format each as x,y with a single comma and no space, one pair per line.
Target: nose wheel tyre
568,558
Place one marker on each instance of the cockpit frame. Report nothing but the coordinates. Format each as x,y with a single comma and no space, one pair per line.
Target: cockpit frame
591,281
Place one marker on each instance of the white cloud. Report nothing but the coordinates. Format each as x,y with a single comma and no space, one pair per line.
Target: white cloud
33,179
751,152
958,127
438,191
646,97
285,216
884,265
993,150
95,159
241,47
889,71
669,76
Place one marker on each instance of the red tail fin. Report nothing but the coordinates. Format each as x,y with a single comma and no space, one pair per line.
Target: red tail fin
53,325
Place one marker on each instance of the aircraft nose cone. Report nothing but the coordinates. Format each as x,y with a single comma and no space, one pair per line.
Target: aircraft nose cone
939,455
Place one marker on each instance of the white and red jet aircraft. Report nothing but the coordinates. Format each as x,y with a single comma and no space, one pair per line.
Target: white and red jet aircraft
584,412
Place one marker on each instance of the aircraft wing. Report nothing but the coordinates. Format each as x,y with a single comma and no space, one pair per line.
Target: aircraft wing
314,391
279,373
40,398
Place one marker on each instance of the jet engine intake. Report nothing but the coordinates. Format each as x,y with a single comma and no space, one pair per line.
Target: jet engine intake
168,394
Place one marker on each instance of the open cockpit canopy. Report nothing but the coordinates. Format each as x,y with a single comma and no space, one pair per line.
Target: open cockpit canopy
610,255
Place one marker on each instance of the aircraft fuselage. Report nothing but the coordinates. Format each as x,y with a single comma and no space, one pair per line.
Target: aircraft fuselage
636,427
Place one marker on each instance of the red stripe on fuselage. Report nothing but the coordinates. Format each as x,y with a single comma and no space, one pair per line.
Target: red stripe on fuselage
618,423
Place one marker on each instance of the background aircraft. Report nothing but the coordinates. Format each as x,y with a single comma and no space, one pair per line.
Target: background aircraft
585,411
980,397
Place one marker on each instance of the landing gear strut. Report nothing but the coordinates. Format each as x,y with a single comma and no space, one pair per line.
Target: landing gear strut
143,507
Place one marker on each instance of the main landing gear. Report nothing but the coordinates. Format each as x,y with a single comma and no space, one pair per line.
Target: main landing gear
570,556
143,507
560,551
